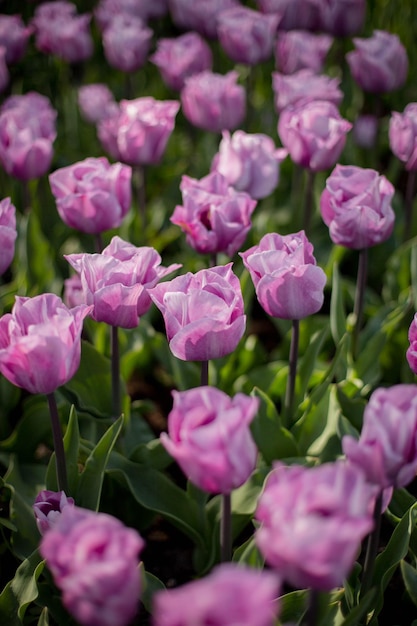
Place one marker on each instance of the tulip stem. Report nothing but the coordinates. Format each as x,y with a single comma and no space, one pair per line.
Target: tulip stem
98,243
204,373
312,608
58,439
409,197
372,547
142,196
292,372
308,205
359,297
115,370
226,528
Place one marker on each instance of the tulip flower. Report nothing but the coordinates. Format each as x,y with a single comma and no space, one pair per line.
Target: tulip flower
48,507
342,18
8,233
93,559
126,42
106,10
199,16
295,14
304,86
300,50
96,102
14,37
411,353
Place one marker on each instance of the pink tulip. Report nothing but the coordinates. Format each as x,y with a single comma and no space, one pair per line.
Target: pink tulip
8,233
139,132
214,216
378,63
249,162
387,447
40,342
116,282
199,16
203,313
295,14
342,18
14,36
299,50
314,134
59,30
93,195
179,58
96,102
356,206
27,132
48,507
73,291
403,135
126,42
209,437
313,520
4,70
106,10
247,36
93,559
365,131
288,283
230,595
411,353
214,102
304,86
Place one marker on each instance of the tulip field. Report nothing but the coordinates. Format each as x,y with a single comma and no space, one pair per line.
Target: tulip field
208,313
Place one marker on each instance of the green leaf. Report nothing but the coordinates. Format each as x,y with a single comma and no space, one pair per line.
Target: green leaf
357,613
293,606
249,554
39,265
337,308
409,574
152,585
71,447
20,592
367,366
91,479
308,362
44,618
319,424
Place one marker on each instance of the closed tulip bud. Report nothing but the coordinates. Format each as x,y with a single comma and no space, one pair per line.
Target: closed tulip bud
8,233
48,507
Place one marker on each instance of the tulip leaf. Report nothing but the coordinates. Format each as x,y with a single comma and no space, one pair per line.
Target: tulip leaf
71,447
20,592
44,618
248,554
357,613
337,308
152,585
39,264
308,362
91,479
409,574
293,606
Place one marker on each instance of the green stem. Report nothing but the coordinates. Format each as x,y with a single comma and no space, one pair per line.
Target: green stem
58,439
204,373
292,372
313,608
359,297
226,528
98,240
372,547
308,204
115,371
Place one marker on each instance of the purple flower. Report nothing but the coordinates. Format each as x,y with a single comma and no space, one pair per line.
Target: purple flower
199,16
298,50
314,133
403,135
181,57
93,559
214,102
304,86
378,63
288,283
214,216
249,162
356,206
295,14
126,42
342,18
387,447
40,342
209,437
73,291
8,233
106,10
412,349
116,282
60,31
203,313
27,132
247,36
365,131
14,36
48,507
96,102
230,595
313,520
4,70
139,132
93,195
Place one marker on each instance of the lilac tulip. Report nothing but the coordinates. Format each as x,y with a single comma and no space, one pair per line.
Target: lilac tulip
411,353
199,16
126,42
14,37
342,18
210,439
214,216
287,280
106,10
93,195
203,313
230,595
73,291
181,57
299,50
96,102
387,447
93,559
314,133
59,30
214,102
356,206
378,63
403,135
295,14
138,133
27,133
40,342
304,86
249,162
4,70
8,233
247,36
48,507
365,131
116,282
313,520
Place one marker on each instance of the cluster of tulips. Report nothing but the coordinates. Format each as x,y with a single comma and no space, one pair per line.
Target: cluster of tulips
310,511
